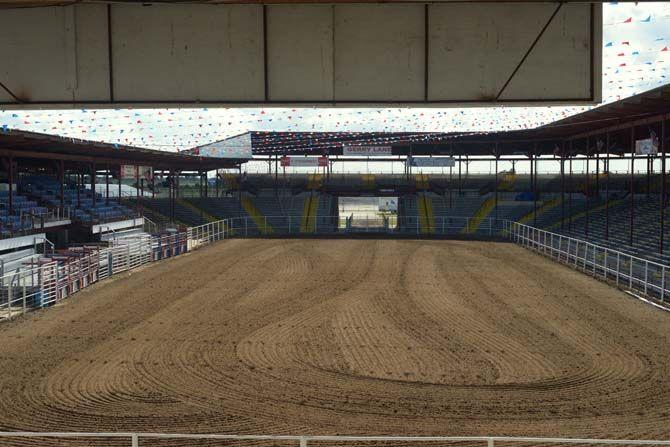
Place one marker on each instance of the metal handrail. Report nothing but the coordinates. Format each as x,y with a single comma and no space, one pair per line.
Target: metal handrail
596,260
583,241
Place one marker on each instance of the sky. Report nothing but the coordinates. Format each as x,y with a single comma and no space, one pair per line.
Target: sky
636,58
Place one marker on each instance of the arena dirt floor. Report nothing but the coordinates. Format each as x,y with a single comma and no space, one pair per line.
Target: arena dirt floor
393,337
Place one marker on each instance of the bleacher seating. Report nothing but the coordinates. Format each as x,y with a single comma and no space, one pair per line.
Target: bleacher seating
278,208
48,190
273,210
23,210
222,207
466,204
183,214
646,235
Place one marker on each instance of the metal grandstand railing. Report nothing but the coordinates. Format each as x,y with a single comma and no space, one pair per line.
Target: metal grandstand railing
135,439
636,274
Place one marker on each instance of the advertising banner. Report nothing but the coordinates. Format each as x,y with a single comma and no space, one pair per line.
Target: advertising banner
431,162
304,162
646,147
132,171
366,151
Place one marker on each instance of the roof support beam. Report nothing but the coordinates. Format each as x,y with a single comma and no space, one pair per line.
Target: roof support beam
194,165
623,126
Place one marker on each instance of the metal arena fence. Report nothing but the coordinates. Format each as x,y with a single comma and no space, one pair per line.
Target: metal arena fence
363,223
51,277
645,277
137,439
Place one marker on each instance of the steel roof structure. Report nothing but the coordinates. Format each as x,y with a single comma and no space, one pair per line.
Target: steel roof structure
30,145
642,110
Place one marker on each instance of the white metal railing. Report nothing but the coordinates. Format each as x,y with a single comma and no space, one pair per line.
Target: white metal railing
49,278
43,281
135,438
637,274
366,223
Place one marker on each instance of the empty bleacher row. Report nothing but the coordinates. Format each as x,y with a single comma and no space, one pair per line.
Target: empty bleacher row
36,205
262,213
81,203
22,215
453,213
614,230
159,210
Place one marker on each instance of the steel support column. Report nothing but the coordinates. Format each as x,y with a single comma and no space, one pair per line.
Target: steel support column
173,199
10,180
632,183
607,186
537,184
571,190
451,177
79,183
597,171
563,187
460,180
61,180
93,189
662,216
533,184
137,188
587,189
119,181
107,185
496,188
239,190
648,175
